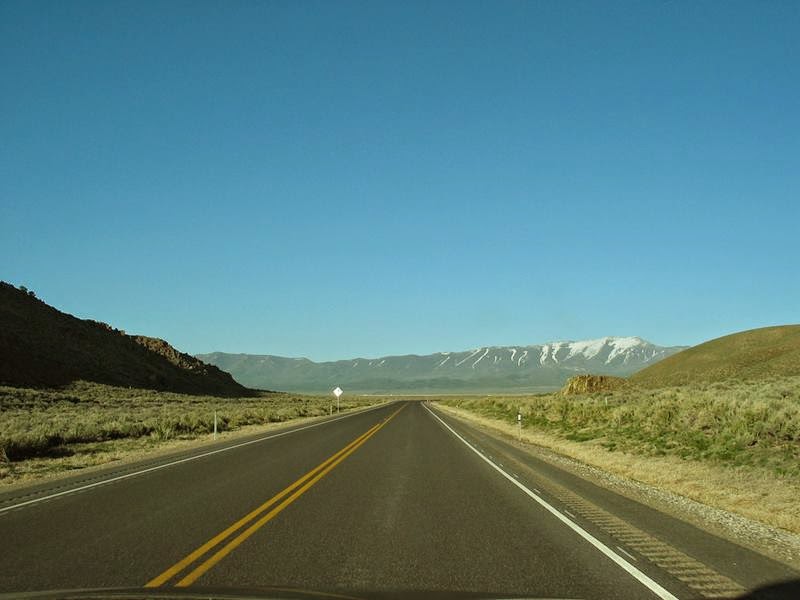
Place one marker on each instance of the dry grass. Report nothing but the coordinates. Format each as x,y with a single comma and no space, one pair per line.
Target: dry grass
729,445
753,355
47,432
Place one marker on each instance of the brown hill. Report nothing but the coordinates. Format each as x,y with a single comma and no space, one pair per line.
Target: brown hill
586,384
43,347
748,355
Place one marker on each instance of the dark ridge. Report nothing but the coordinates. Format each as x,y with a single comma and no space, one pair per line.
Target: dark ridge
41,346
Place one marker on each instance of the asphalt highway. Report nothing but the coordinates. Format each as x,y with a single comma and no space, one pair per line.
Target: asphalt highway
397,501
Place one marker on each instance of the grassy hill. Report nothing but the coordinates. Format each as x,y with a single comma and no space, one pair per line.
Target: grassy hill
43,347
748,355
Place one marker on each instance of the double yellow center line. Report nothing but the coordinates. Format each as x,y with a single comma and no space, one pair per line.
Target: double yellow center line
258,517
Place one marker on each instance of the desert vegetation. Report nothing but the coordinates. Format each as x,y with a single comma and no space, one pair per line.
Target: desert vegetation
735,423
90,423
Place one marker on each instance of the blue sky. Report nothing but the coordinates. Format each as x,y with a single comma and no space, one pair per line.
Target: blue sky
337,179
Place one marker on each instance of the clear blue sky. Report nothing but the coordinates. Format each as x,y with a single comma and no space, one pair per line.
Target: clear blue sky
336,179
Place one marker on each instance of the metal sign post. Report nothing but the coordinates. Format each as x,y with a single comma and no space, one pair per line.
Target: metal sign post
337,392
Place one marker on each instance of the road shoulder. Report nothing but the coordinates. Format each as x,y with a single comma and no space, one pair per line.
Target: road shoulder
772,542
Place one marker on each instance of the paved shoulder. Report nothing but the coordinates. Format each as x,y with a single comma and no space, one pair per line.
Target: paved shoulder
707,565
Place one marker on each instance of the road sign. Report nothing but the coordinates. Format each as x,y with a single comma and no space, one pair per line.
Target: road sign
337,392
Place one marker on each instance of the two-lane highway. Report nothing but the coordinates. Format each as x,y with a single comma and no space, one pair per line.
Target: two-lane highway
387,501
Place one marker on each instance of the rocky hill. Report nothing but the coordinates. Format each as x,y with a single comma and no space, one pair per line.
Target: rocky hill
586,384
43,347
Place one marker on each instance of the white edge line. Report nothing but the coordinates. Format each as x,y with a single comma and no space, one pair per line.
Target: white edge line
642,578
626,553
182,460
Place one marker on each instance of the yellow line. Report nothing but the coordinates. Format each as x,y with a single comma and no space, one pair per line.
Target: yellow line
219,538
235,542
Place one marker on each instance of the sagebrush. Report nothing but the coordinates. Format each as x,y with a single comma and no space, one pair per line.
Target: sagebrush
48,422
734,422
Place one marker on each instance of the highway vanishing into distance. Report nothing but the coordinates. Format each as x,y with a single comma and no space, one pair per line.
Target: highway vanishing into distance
399,500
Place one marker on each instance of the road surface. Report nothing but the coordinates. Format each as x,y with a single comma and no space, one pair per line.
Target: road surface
395,501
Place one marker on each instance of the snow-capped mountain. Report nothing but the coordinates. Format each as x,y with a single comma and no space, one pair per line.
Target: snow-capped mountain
488,368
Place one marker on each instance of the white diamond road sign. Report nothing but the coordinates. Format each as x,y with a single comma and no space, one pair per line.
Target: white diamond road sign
338,392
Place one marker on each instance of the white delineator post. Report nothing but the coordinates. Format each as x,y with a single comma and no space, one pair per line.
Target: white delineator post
215,424
337,392
519,426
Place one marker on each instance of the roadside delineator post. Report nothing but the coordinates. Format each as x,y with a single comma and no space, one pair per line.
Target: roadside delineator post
215,424
337,392
519,425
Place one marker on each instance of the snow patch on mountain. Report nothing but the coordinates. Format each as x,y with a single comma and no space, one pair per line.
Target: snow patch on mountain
588,349
481,358
461,362
521,359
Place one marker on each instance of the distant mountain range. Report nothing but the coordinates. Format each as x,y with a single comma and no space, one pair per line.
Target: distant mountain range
540,367
44,347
